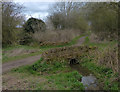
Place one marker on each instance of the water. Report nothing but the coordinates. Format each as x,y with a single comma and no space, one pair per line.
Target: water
89,80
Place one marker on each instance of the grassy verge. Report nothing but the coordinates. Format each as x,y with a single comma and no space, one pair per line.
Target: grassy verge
41,67
59,76
12,58
101,45
19,46
8,59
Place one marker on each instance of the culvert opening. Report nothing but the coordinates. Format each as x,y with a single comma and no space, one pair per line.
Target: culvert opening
73,61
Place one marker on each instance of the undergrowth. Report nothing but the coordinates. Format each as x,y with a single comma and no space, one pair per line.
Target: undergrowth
100,45
72,42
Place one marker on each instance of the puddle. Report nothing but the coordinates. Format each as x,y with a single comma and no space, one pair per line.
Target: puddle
89,80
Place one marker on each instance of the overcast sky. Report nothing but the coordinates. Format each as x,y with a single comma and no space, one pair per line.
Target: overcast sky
36,9
40,8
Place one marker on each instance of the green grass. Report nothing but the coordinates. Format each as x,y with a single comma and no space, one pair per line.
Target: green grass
57,76
101,46
87,42
70,80
67,81
103,74
41,66
60,79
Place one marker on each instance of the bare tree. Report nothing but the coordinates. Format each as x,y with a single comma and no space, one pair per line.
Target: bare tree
67,15
104,19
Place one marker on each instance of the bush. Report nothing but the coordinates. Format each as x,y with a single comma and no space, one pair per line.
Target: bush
104,20
109,58
56,36
11,18
32,25
26,39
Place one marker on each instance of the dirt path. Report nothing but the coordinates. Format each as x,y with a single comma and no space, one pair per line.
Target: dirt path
30,60
14,64
80,41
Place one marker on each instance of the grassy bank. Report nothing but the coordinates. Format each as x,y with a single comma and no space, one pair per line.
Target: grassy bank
58,75
107,79
99,63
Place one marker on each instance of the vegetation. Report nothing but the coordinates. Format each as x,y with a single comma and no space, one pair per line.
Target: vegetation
13,58
67,81
11,18
55,36
92,26
106,77
31,22
103,19
36,50
66,15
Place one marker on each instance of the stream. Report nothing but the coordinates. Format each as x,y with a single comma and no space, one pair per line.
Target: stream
89,80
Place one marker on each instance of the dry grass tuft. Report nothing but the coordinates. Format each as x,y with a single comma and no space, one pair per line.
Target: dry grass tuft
94,38
56,36
108,58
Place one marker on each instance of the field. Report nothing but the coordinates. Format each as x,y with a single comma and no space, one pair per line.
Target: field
60,45
63,67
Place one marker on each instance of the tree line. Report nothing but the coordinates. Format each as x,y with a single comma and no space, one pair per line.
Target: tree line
99,18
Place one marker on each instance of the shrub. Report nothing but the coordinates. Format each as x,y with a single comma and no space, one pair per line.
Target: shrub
33,25
109,58
55,36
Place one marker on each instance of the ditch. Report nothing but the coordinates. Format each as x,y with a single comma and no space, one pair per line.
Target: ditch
88,79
